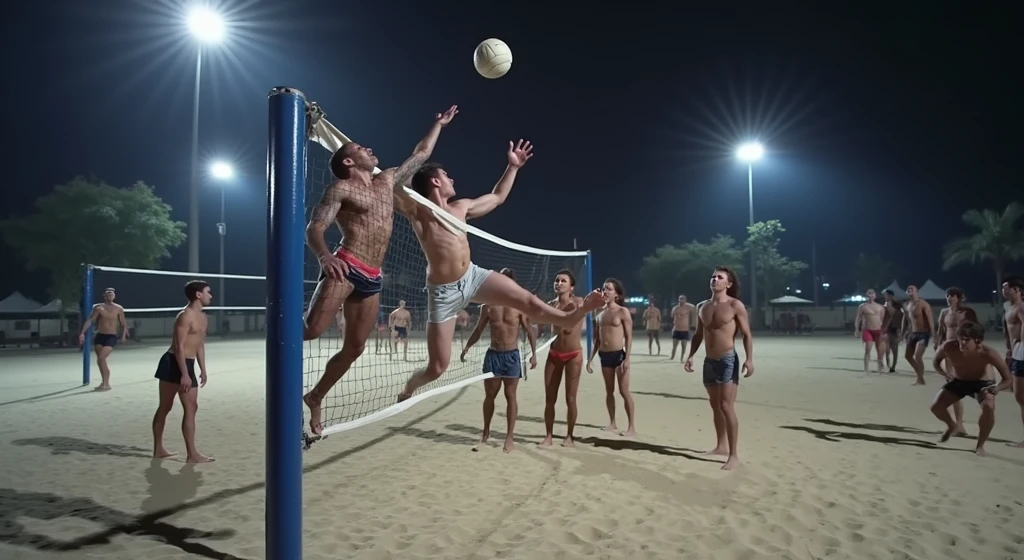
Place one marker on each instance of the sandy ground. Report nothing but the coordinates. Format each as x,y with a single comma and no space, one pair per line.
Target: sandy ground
837,464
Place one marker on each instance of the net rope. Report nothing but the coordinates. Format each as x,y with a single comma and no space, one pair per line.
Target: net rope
369,390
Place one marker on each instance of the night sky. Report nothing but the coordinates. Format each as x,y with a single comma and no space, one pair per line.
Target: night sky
881,127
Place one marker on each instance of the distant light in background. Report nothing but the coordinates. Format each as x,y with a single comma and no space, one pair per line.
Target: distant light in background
221,170
750,152
206,25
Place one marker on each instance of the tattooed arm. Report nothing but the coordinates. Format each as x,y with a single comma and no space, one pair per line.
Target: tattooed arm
401,175
324,214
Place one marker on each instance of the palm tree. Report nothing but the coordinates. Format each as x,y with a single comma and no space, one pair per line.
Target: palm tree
998,238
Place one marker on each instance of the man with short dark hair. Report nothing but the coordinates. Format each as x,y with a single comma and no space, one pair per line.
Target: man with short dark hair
177,374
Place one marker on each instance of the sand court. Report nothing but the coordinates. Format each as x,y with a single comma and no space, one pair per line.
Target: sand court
836,464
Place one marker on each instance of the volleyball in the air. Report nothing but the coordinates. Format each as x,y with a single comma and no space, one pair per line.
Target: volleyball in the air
492,58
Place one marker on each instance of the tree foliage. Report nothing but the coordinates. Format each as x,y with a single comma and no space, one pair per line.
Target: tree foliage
681,269
998,238
89,221
774,271
872,271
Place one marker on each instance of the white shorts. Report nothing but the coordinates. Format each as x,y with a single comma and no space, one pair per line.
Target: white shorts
446,300
1018,351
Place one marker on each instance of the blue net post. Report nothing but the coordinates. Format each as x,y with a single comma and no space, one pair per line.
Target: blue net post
86,311
589,263
286,201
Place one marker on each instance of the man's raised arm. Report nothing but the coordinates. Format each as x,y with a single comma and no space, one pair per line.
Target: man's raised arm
518,154
421,153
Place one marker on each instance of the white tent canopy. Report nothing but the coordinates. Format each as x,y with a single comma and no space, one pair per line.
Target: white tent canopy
790,300
17,303
929,291
896,289
54,307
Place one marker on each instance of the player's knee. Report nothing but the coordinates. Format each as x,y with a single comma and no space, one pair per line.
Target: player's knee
435,368
510,391
988,406
570,400
1019,393
352,349
937,408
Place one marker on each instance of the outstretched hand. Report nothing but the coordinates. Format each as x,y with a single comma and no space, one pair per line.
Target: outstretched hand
519,152
447,116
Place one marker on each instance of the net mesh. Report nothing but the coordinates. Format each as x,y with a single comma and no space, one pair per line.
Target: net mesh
374,381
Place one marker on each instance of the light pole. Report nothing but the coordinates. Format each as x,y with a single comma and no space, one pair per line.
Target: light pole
749,153
208,28
222,172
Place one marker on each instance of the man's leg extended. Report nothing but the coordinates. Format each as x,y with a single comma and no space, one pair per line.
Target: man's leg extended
511,413
439,354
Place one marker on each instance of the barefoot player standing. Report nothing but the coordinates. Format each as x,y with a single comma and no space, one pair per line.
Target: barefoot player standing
107,317
614,345
1013,291
718,319
868,327
920,324
564,355
503,360
682,317
652,320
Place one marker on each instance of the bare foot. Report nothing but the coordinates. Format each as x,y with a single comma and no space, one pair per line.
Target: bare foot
404,397
313,404
102,388
546,442
720,450
629,433
199,458
918,382
612,428
947,434
508,445
961,432
732,463
980,452
568,442
163,453
1017,445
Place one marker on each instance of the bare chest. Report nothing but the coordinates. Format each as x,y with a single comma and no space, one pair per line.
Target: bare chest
609,319
505,316
716,315
1011,317
372,206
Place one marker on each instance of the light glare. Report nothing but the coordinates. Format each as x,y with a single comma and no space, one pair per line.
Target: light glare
221,170
206,25
750,152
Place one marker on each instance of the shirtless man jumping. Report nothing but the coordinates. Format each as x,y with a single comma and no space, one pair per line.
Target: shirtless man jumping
362,206
919,327
949,320
502,360
868,327
718,319
652,321
682,317
969,360
453,281
107,317
1013,292
399,323
893,327
614,344
564,355
176,371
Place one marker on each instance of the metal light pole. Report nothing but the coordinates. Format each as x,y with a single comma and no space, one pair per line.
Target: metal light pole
208,27
223,172
750,153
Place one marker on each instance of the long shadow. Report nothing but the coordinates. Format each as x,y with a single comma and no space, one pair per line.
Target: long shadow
669,396
60,445
891,428
15,504
634,445
835,437
149,519
44,396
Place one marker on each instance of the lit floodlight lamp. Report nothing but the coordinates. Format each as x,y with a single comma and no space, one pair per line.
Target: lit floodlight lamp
206,25
221,170
750,152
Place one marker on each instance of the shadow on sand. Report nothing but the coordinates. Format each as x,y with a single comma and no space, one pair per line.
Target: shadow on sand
60,445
